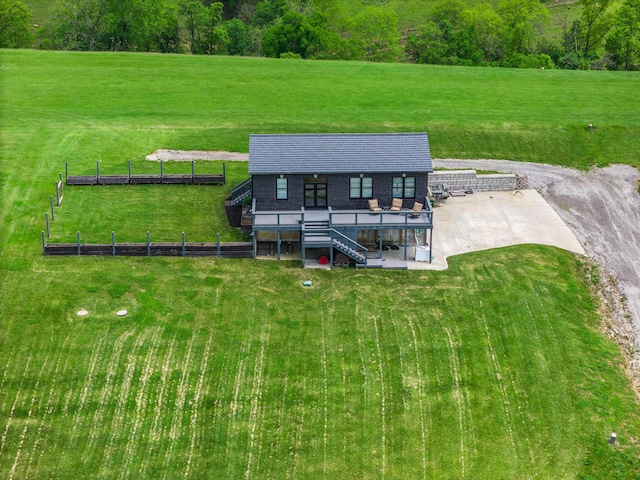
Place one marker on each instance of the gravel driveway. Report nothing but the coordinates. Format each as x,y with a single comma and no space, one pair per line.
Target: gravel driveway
602,208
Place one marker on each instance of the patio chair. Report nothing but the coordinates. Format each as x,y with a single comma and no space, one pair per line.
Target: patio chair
373,205
417,208
396,205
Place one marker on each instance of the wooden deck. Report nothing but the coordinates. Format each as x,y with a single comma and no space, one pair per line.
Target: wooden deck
360,219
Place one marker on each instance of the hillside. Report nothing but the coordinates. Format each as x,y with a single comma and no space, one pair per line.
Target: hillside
495,368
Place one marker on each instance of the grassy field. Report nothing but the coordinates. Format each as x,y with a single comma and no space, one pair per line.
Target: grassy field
230,368
132,211
494,369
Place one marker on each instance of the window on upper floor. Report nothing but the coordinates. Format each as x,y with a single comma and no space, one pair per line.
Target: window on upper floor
404,187
361,187
282,192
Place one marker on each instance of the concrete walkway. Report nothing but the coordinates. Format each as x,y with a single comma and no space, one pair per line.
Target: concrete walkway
491,220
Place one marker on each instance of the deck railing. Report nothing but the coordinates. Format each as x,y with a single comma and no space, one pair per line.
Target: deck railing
292,219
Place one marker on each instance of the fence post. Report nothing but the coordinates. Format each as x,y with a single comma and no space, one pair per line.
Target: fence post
46,219
129,170
66,171
218,245
44,249
59,191
53,216
78,242
160,171
193,170
183,246
224,172
113,243
97,171
148,244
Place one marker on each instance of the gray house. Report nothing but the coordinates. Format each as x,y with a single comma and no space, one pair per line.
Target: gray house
338,195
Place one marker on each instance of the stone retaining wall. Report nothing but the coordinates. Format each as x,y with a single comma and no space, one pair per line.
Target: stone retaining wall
470,180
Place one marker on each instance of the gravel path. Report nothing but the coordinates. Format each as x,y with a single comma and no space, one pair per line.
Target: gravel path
602,208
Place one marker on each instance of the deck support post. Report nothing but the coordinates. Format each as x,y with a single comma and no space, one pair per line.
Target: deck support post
53,217
430,245
380,242
255,242
278,245
405,243
148,244
113,243
218,237
331,256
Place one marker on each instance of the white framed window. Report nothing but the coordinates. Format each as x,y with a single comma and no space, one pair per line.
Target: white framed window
404,187
282,191
361,187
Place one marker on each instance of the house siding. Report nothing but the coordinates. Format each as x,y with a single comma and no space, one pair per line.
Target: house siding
264,190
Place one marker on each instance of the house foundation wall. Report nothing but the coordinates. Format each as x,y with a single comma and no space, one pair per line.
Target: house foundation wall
470,180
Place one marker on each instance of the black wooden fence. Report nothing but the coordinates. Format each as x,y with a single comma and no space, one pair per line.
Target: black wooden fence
146,179
154,249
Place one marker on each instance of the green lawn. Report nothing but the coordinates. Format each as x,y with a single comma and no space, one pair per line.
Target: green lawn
494,368
165,211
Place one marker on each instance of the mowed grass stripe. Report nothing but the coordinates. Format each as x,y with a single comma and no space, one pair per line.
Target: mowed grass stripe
272,392
137,435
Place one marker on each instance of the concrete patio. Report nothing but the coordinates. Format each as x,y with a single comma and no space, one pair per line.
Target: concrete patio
488,220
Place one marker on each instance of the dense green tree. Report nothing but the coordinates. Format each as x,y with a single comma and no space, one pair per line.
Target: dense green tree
125,24
623,43
163,30
485,25
595,23
239,40
211,37
524,25
14,25
191,11
294,32
268,11
206,34
80,24
457,38
375,35
427,44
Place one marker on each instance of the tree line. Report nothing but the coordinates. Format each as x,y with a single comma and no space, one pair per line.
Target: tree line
515,33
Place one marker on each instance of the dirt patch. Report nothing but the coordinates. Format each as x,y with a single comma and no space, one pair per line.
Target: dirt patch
602,209
189,155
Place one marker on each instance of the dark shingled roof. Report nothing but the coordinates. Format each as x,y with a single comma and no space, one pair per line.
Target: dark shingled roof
339,153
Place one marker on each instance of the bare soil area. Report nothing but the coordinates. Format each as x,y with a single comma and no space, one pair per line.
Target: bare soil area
188,155
601,207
